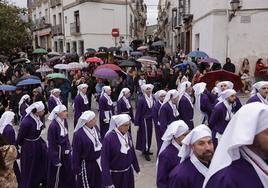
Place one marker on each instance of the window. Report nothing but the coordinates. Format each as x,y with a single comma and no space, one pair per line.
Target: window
77,22
81,47
65,19
55,46
54,20
197,41
68,47
74,47
60,18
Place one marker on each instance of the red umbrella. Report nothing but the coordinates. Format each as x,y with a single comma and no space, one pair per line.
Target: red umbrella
93,60
110,66
212,77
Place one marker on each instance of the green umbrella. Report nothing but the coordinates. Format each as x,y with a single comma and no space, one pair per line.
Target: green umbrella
56,75
39,51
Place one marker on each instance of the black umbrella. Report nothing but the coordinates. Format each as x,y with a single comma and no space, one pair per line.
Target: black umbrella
101,54
102,49
91,50
113,49
127,63
56,58
153,52
119,57
20,60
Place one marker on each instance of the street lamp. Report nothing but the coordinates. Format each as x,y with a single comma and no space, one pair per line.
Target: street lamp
235,5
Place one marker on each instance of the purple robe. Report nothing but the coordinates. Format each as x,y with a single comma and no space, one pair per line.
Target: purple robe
33,154
79,107
206,105
143,119
166,117
116,166
167,160
9,135
185,175
59,151
186,112
239,174
236,105
254,98
51,104
104,107
155,115
84,154
22,110
217,122
122,108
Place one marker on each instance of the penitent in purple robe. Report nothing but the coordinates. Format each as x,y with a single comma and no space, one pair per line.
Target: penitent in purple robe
51,104
185,175
254,98
59,152
79,107
237,105
22,110
117,167
167,161
104,108
186,112
85,166
9,135
144,120
206,105
217,122
239,174
166,117
122,109
33,154
155,115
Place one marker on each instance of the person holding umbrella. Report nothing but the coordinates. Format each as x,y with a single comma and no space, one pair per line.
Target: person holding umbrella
33,147
60,172
80,102
87,145
106,109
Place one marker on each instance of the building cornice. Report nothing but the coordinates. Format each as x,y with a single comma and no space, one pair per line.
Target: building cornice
78,2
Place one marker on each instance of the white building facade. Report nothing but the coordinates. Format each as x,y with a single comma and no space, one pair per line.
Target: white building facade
89,24
244,36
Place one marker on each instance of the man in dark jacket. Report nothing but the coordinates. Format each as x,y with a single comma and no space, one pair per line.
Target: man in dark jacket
229,66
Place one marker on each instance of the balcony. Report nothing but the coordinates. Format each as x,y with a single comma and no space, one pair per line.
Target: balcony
75,28
54,3
40,23
57,30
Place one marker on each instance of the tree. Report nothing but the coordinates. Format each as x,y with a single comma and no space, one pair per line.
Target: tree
14,32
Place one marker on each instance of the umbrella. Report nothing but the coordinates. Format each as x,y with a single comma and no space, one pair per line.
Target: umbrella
61,66
53,54
39,51
147,60
136,53
105,73
20,60
210,60
93,60
7,88
198,54
90,50
27,77
28,81
56,75
127,63
101,54
153,52
141,48
119,57
180,66
193,66
74,66
126,48
112,49
44,69
56,58
159,43
110,66
102,49
211,77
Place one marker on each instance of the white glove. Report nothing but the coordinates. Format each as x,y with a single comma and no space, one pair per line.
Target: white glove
106,120
110,186
59,165
66,152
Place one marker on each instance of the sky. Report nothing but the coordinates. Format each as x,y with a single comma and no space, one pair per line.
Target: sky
151,9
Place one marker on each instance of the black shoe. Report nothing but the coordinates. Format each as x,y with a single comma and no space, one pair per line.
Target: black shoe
147,157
